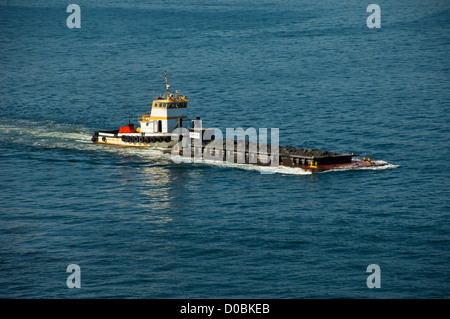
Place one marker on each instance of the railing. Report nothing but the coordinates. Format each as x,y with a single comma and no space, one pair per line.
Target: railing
144,118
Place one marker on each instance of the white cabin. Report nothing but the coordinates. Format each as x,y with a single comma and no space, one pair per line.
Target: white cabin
167,113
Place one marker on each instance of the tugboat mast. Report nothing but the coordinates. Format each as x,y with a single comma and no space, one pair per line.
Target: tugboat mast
167,84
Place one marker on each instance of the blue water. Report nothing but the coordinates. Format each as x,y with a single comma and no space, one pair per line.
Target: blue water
141,226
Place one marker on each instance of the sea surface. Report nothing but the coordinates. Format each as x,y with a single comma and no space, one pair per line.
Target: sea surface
141,226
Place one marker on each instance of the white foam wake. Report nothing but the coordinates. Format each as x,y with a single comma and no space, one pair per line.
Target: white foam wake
385,166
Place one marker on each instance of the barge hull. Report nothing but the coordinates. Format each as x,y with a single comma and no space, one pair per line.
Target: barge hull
307,159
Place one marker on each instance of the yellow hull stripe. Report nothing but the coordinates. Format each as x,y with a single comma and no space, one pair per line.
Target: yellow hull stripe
167,118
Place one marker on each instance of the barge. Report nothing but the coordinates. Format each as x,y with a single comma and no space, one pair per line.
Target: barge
161,126
313,160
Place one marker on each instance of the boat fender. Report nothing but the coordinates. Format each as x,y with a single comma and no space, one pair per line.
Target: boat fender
141,139
167,139
160,139
153,140
147,139
104,139
135,139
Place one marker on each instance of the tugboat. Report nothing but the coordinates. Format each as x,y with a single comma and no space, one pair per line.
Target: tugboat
169,112
156,126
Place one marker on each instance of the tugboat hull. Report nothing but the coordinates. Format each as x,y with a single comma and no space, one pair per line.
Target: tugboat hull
133,139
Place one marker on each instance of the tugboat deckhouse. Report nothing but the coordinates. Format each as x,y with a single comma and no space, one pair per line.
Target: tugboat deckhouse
166,114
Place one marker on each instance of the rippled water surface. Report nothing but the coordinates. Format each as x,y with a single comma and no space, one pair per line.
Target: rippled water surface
141,226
